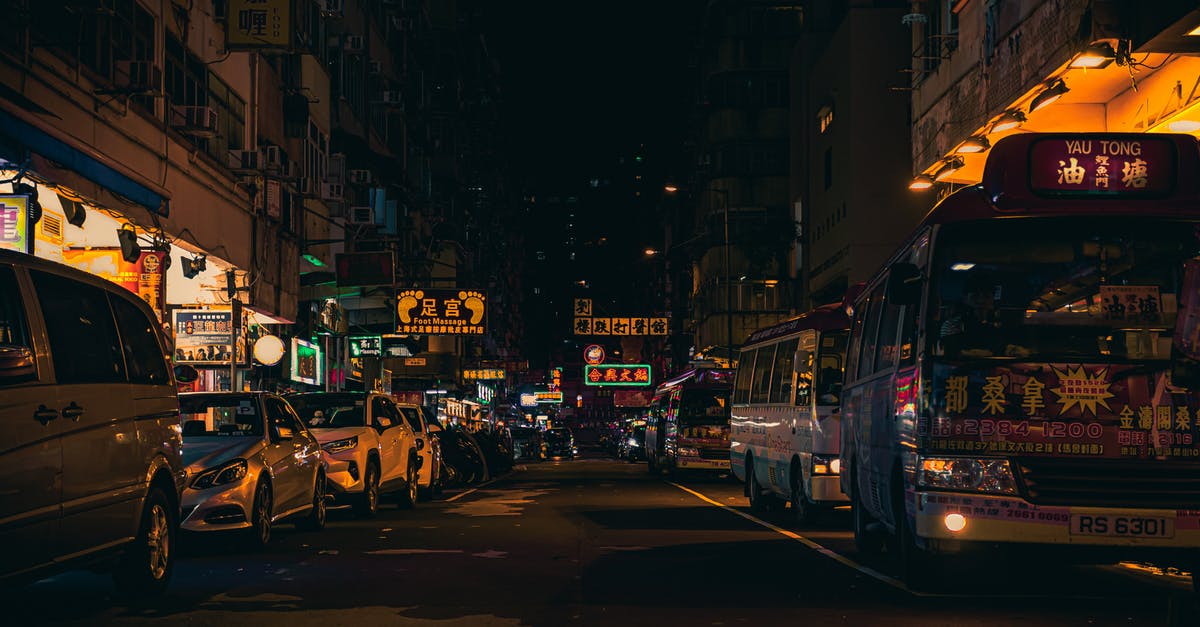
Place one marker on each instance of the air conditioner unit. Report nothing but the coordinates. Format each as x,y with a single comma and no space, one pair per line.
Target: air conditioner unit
274,158
245,160
360,177
361,215
392,97
137,77
194,121
355,44
375,67
332,191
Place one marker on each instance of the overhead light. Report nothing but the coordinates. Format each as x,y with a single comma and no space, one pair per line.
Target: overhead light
973,144
946,171
1094,57
921,182
194,266
670,189
73,210
1008,120
131,250
1195,32
1184,126
1051,93
35,208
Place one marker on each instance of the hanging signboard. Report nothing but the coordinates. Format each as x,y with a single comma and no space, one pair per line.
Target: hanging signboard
306,362
617,375
255,24
620,326
483,374
366,346
202,337
441,312
143,277
15,223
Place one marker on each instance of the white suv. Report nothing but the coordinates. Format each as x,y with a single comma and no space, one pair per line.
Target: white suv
369,448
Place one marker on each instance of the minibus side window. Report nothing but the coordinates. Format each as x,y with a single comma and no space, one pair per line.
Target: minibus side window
885,357
781,388
856,337
741,386
870,329
804,377
760,391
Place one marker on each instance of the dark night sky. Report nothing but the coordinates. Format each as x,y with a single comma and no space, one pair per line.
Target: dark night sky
583,84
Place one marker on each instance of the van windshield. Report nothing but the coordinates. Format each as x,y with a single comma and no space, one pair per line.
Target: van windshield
704,407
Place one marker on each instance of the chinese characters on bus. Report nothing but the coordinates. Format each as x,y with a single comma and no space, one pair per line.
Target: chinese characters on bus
1105,166
441,312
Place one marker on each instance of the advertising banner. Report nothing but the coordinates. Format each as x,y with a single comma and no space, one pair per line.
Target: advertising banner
14,223
144,277
441,312
202,337
306,362
258,24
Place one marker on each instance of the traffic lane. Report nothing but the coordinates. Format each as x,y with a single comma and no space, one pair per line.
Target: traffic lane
997,576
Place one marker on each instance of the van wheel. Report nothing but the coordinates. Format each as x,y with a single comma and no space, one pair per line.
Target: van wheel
760,501
408,498
367,504
145,568
866,541
259,533
804,511
315,521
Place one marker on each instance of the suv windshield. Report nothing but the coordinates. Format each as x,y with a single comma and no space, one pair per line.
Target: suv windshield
331,411
704,407
557,436
220,415
1058,288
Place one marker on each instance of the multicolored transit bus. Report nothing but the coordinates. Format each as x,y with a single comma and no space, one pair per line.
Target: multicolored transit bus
1023,371
687,425
785,428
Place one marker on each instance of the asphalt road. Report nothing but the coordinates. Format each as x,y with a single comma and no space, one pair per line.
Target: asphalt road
592,542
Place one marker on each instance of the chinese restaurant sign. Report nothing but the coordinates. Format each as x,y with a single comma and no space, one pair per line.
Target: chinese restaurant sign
483,374
143,277
1109,410
14,223
258,24
620,326
202,337
617,375
1099,166
441,312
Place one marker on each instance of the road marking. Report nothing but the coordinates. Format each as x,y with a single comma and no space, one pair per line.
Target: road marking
867,570
462,494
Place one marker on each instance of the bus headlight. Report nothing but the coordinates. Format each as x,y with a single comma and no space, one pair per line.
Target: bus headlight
992,476
826,465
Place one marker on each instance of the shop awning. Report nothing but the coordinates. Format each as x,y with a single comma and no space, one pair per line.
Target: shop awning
92,166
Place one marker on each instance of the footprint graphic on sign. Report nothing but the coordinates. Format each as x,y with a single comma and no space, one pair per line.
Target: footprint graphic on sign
409,299
473,301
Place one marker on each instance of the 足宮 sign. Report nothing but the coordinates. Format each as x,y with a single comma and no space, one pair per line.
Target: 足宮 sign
620,326
617,375
483,374
441,312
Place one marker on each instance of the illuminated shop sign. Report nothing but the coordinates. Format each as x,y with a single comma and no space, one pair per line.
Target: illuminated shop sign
441,312
143,277
593,354
548,397
14,223
617,375
258,24
202,337
306,362
366,346
483,374
1136,166
620,326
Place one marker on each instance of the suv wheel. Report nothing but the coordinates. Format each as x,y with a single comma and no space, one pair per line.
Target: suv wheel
146,567
408,498
368,502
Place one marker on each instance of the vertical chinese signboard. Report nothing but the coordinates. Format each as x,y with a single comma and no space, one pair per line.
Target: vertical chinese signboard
441,312
14,223
306,362
258,24
144,277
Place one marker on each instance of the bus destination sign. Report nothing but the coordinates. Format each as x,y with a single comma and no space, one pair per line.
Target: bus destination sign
1097,165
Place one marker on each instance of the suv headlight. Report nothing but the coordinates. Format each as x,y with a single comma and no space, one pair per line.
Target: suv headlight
966,474
687,451
229,472
338,446
826,465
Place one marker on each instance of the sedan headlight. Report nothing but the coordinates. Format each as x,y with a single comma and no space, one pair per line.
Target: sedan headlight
826,465
230,472
631,442
687,451
338,446
966,474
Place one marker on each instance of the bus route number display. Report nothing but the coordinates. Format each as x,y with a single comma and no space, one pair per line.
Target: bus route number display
1096,166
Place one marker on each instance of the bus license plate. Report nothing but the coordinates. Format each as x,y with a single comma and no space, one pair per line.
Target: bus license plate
1124,526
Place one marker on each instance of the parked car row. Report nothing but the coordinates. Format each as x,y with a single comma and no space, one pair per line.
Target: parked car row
103,462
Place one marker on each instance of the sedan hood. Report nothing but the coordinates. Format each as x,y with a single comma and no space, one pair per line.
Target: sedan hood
202,453
324,436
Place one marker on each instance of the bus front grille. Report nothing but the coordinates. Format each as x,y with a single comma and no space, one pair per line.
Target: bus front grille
1109,483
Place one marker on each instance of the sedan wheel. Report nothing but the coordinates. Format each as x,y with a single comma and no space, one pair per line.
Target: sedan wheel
260,523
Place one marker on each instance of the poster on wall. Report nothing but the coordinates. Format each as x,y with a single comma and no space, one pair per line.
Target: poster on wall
14,223
144,277
306,362
202,337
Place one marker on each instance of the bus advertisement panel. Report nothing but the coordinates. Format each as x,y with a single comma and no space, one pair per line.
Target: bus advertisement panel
1021,371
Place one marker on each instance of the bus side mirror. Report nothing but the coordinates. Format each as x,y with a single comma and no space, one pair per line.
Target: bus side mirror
903,284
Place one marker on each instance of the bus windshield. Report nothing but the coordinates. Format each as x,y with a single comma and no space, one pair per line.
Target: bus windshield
1053,289
704,407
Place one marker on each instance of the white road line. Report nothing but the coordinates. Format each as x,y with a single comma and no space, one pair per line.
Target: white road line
867,570
462,494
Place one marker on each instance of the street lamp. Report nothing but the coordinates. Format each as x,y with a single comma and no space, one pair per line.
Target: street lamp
671,189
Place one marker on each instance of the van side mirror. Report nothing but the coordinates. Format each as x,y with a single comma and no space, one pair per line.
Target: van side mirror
284,433
185,373
16,364
903,284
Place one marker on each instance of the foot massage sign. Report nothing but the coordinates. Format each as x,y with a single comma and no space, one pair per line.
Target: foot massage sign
441,311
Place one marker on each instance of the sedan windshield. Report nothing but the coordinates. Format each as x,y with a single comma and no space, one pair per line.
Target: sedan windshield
1059,288
330,411
220,415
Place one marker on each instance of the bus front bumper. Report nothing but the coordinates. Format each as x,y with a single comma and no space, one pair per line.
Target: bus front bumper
827,489
952,522
696,463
